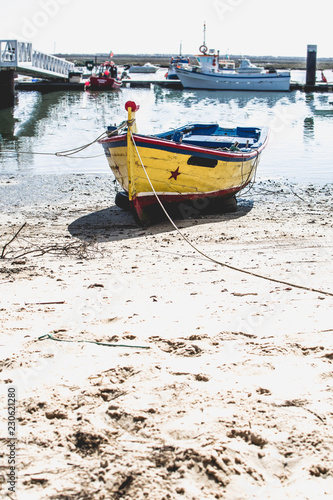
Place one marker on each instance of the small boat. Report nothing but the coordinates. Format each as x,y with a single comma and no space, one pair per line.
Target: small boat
75,76
176,61
105,78
179,60
194,169
146,68
247,67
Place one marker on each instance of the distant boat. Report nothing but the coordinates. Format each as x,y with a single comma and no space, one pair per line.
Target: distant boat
146,68
176,61
179,60
247,67
202,164
105,78
75,76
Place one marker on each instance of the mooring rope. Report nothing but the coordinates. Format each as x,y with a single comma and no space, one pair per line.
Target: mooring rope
107,344
70,152
215,261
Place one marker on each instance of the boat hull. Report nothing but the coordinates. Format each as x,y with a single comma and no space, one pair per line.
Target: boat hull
104,83
143,69
178,172
229,81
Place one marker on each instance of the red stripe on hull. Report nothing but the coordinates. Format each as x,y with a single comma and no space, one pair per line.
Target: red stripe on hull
146,201
151,142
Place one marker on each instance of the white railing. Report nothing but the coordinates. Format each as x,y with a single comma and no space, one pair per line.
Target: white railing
21,56
8,53
51,63
24,51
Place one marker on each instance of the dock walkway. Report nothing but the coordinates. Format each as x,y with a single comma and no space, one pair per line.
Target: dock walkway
23,59
49,86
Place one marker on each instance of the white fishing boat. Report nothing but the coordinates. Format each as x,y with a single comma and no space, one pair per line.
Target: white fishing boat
209,74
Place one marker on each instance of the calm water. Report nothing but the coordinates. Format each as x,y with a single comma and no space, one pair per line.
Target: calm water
300,147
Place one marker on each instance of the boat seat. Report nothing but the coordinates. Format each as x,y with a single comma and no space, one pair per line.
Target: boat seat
217,141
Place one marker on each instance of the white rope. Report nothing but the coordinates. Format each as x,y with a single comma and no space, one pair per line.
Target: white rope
69,152
281,282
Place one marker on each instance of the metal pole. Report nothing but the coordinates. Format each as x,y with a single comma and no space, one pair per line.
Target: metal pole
311,63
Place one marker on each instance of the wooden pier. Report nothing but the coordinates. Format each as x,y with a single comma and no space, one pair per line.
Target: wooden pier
317,87
49,86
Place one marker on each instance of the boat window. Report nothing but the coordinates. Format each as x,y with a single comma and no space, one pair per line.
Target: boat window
202,162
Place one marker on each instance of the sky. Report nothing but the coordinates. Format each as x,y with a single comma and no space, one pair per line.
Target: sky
242,27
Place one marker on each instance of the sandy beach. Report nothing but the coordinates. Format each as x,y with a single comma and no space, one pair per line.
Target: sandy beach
144,370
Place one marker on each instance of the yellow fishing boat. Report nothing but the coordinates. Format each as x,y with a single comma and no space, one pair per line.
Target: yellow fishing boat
190,170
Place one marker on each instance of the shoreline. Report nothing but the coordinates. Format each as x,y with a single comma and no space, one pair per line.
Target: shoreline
216,384
163,60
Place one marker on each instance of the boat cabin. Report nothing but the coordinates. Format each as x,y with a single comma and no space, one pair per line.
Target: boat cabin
211,62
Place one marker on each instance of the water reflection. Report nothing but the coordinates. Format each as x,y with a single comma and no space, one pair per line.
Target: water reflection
7,124
30,108
241,99
105,106
46,123
308,130
40,125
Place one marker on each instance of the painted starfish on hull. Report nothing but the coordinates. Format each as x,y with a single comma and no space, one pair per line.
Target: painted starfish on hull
174,174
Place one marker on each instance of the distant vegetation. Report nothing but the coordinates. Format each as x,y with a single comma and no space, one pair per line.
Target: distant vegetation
164,59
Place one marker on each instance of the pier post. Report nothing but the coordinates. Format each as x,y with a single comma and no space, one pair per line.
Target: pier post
6,88
311,63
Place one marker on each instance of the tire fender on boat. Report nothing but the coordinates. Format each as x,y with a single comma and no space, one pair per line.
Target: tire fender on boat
122,200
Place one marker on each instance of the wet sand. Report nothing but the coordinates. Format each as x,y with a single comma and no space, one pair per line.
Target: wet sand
172,376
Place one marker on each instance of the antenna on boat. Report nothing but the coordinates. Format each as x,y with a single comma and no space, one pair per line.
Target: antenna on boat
203,48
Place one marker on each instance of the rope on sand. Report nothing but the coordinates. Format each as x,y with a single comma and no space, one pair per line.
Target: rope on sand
223,264
49,336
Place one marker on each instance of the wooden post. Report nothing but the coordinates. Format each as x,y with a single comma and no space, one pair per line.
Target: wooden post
6,88
311,63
